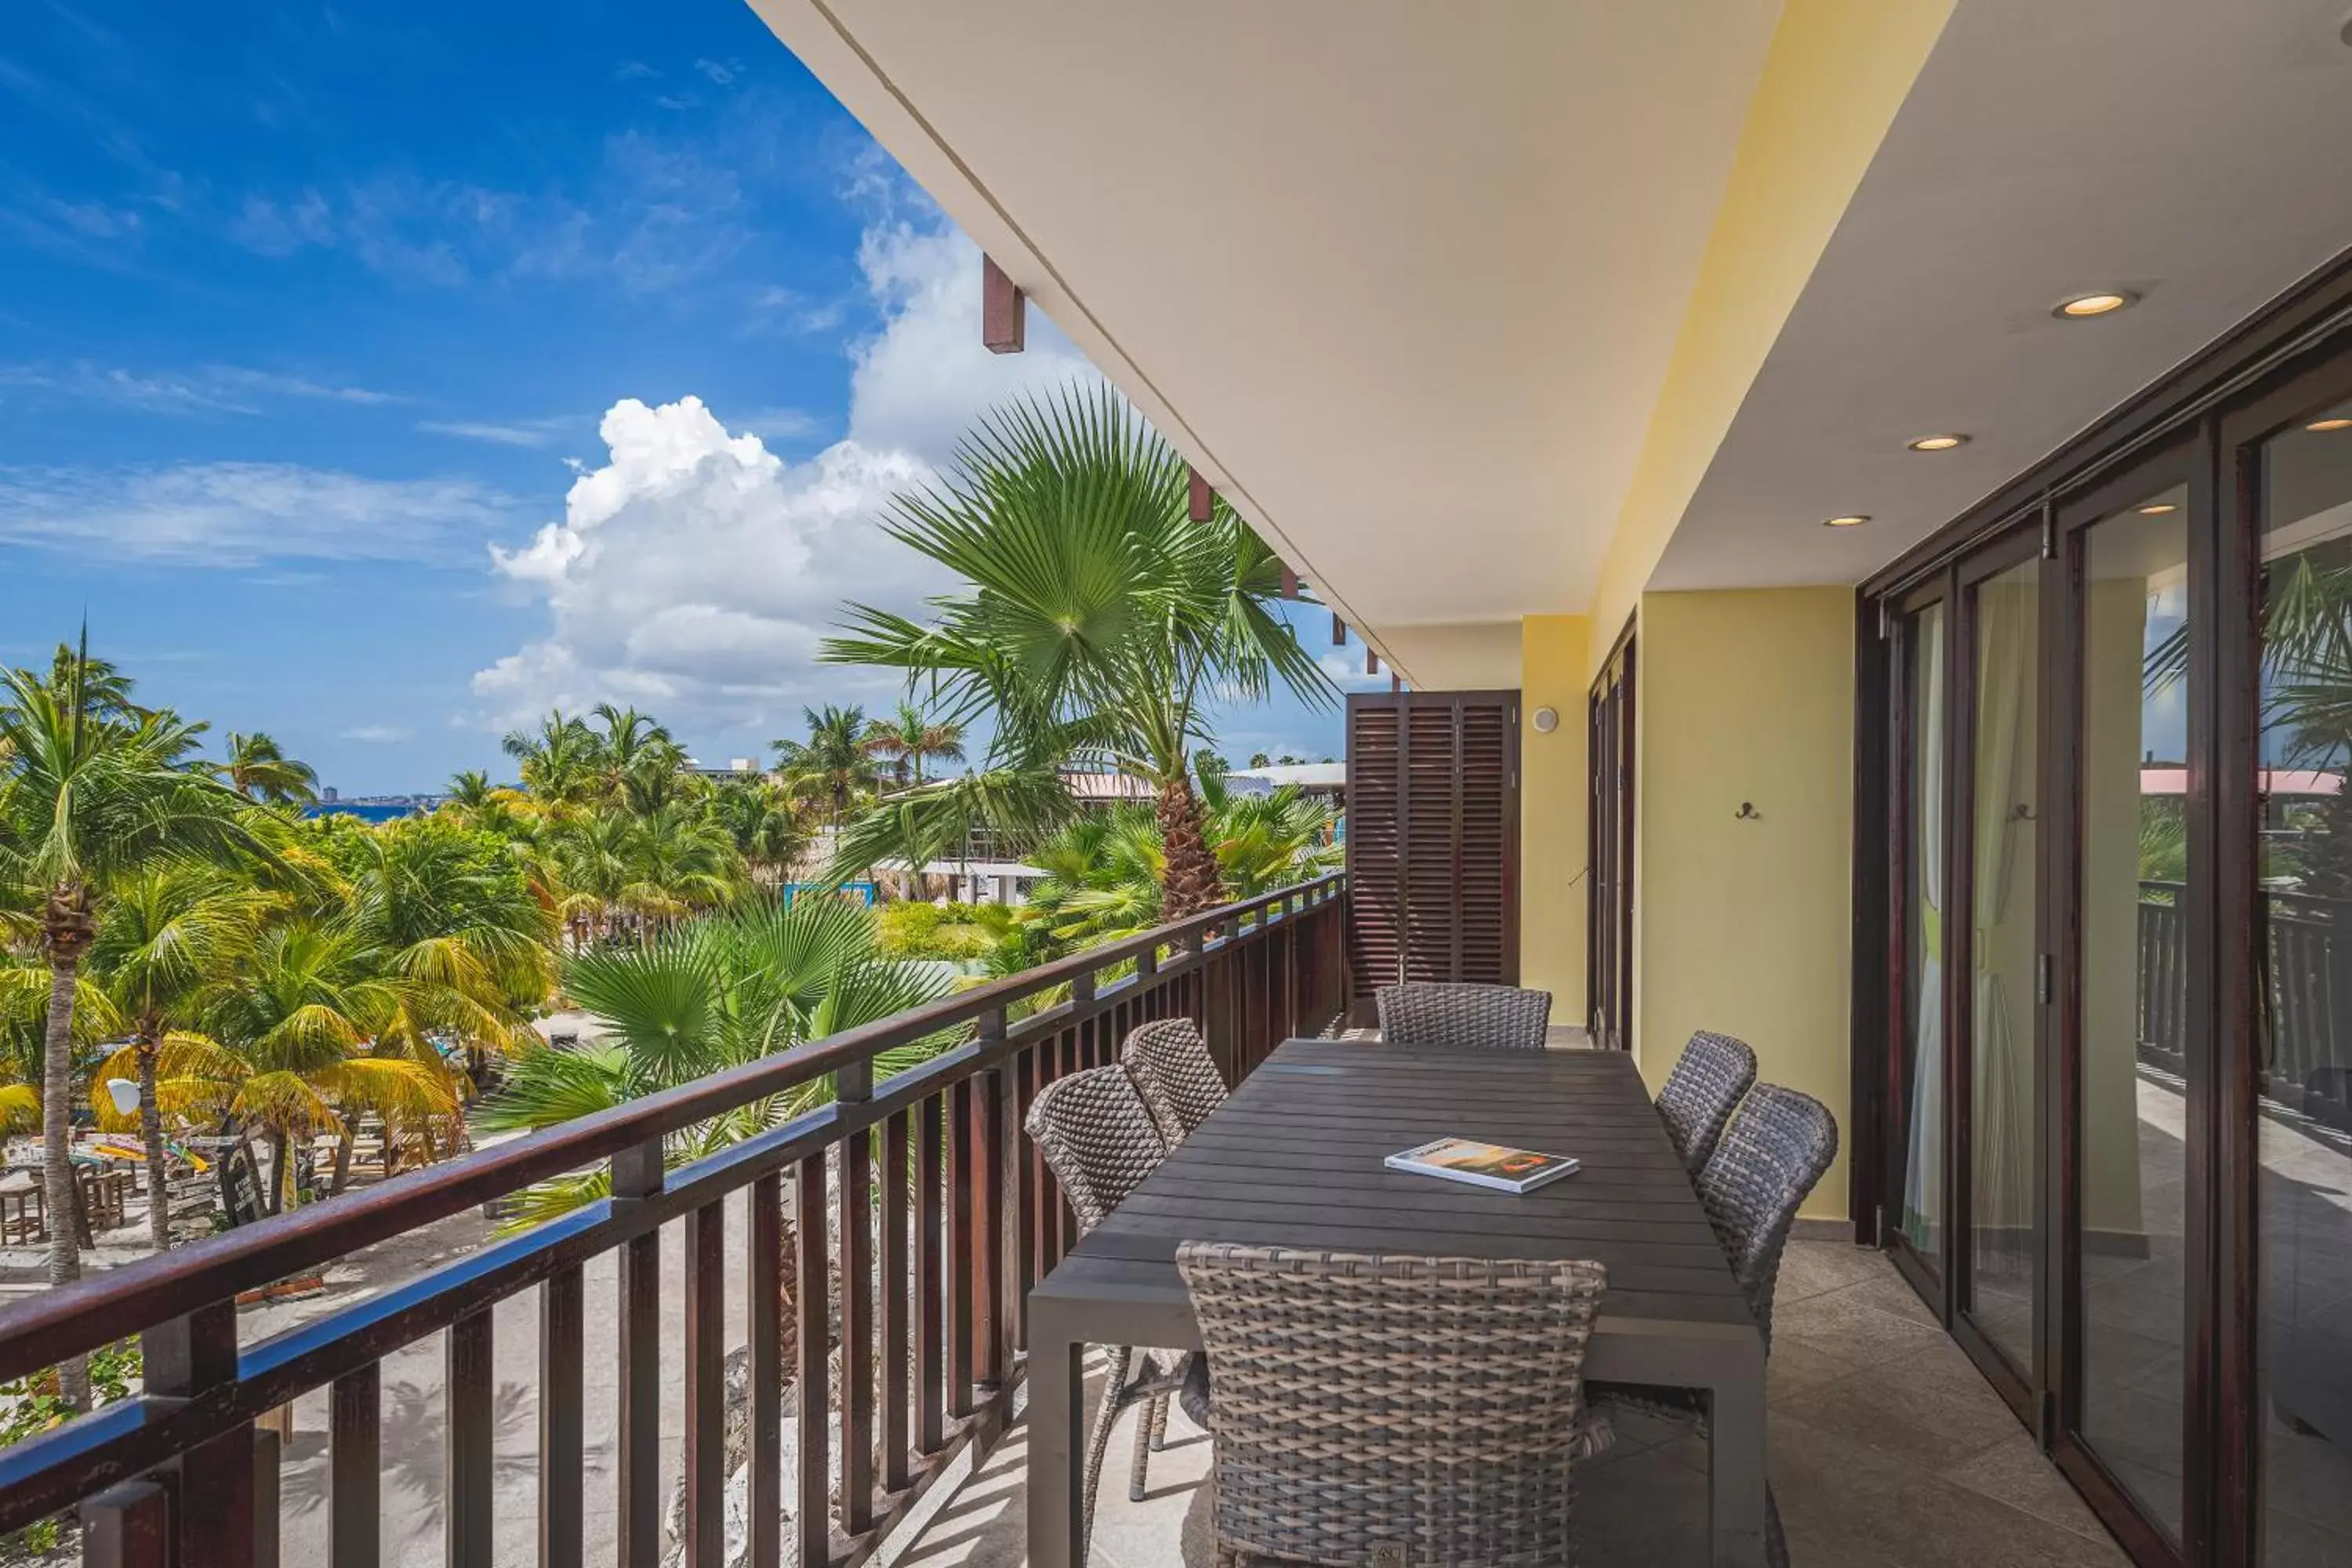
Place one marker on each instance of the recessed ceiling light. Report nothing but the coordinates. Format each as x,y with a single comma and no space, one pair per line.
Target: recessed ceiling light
1936,443
2104,303
2333,422
1853,521
2158,509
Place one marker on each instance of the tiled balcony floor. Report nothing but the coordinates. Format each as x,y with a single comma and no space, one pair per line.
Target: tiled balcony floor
1888,1451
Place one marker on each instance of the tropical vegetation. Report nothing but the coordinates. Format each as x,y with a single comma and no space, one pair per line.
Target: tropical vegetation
1097,620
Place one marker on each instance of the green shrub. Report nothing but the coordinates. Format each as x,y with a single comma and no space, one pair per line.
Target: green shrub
952,932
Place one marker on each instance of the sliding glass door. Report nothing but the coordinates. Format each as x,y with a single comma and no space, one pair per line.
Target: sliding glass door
1916,1079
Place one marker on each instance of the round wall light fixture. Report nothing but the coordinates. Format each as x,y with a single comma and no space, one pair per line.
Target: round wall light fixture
1545,719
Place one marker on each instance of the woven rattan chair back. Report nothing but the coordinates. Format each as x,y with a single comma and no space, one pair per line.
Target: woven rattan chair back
1776,1147
1095,1134
1392,1411
1175,1074
1473,1017
1713,1072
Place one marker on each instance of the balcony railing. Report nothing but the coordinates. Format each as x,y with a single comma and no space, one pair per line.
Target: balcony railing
919,1215
2306,1058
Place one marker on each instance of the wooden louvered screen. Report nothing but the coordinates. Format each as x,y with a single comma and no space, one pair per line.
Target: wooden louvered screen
1432,837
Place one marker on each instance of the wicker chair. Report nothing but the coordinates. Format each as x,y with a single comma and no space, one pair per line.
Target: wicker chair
1713,1072
1095,1132
1473,1017
1776,1147
1392,1411
1175,1075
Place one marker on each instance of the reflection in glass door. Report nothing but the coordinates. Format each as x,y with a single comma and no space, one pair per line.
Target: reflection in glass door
2129,1307
2003,957
1916,1080
2302,1066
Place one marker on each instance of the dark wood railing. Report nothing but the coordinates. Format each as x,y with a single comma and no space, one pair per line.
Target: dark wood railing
921,1215
2307,1056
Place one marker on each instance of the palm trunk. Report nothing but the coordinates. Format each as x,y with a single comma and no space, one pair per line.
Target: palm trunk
151,1132
68,933
1191,882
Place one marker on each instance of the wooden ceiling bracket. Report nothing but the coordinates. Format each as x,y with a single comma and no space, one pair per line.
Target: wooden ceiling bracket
1004,310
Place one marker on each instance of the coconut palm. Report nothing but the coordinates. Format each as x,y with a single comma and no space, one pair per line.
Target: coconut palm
909,738
87,800
166,932
759,817
1099,619
291,1045
702,997
469,790
560,762
258,768
832,767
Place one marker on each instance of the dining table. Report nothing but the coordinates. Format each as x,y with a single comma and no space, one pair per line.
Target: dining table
1295,1158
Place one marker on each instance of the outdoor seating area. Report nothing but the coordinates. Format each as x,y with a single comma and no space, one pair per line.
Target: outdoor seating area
1309,1283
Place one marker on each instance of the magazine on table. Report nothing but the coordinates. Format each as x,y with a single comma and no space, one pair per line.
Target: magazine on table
1494,1165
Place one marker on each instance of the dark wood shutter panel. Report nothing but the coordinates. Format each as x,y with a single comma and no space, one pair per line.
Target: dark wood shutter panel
1432,837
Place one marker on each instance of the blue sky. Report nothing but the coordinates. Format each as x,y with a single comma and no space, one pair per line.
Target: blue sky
377,376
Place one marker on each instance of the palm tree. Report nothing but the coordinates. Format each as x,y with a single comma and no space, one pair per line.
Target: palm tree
166,932
260,770
470,790
831,766
909,738
88,800
1104,871
759,817
710,995
1099,618
297,1044
560,762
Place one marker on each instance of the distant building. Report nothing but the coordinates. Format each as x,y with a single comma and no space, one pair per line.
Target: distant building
329,795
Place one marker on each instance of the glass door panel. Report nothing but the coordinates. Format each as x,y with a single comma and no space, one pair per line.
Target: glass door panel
2132,991
2303,1057
1917,1079
2003,957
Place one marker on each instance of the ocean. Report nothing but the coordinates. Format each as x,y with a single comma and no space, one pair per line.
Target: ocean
366,813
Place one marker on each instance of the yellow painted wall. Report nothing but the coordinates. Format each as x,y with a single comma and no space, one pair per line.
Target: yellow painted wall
1473,655
1745,926
1836,73
1553,825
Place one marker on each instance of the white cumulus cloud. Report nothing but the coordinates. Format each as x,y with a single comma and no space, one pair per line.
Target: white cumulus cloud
694,572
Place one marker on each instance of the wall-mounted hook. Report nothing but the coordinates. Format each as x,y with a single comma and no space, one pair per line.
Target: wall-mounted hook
1747,813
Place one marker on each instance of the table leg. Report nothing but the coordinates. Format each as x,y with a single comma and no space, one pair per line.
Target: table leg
1736,1469
1056,1394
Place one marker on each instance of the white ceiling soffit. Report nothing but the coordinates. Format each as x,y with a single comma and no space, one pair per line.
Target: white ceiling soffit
1402,278
2189,151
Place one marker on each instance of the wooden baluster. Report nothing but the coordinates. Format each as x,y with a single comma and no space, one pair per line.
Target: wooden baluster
1025,1196
930,1290
186,1358
765,1314
637,1173
991,1321
898,1198
267,1447
562,1458
467,1476
355,1468
855,1086
706,1386
814,1507
961,1229
127,1526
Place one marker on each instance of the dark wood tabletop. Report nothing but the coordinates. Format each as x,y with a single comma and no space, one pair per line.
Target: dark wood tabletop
1294,1158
